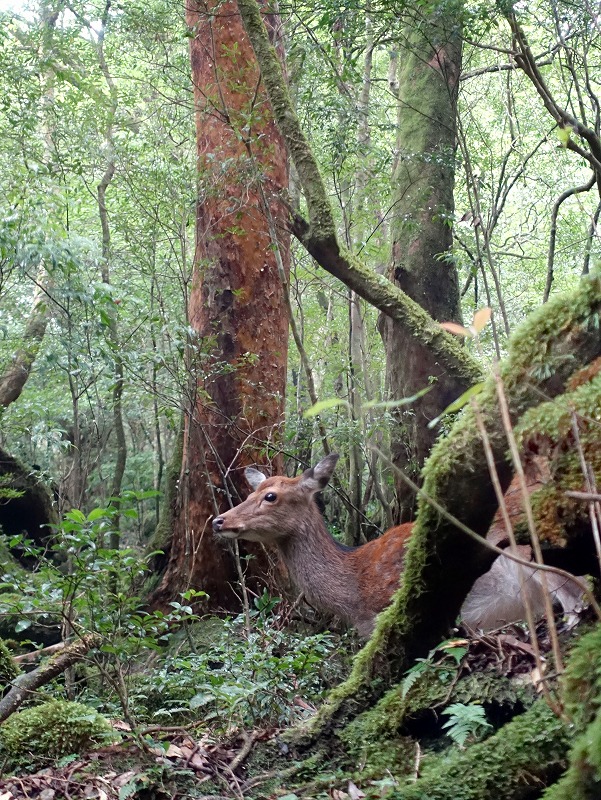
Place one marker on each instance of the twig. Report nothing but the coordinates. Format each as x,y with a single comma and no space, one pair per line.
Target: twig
249,741
586,496
490,460
593,509
280,774
417,762
489,545
241,578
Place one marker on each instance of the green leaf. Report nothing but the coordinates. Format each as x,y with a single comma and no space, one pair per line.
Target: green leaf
458,404
324,405
201,699
404,401
563,134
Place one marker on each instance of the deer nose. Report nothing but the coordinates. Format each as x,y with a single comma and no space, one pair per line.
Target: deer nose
218,524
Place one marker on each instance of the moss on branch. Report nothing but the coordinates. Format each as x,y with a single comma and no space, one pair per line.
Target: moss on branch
318,235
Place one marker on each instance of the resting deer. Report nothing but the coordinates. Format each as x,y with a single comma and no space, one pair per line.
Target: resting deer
354,583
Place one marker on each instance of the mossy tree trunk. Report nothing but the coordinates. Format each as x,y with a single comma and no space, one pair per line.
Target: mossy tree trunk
422,262
237,356
317,233
443,562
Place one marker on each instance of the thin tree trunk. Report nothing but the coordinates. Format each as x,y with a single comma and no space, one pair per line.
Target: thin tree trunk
118,367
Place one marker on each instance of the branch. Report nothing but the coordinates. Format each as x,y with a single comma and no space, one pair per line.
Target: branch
526,61
318,233
23,685
551,258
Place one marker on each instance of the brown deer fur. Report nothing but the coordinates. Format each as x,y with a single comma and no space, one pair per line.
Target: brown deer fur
354,583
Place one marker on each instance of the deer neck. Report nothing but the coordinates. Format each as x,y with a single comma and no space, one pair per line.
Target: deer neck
320,568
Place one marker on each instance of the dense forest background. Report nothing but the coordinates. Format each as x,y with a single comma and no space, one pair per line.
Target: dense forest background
95,95
120,191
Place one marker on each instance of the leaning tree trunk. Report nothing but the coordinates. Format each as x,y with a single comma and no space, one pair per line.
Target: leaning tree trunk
442,562
237,358
422,264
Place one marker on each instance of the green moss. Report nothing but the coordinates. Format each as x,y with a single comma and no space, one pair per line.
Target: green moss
582,781
582,680
52,730
582,702
372,739
549,426
513,764
9,669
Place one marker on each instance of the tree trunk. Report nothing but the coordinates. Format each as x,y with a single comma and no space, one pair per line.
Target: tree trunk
237,358
317,233
17,371
422,264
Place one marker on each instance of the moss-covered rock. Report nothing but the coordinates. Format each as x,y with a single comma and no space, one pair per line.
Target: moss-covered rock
53,730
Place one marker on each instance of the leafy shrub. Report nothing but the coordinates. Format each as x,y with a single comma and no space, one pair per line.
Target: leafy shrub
52,730
264,676
98,588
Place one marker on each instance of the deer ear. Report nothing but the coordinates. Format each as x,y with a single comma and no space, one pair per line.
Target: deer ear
318,477
254,477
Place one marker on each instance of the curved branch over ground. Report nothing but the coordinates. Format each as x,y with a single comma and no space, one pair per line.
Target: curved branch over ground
27,683
318,233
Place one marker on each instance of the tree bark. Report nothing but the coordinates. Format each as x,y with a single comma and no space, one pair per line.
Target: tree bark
422,262
237,358
317,233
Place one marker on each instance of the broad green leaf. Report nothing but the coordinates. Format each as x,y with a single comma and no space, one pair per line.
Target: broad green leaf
458,404
324,405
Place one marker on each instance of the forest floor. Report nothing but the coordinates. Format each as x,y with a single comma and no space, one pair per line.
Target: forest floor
195,762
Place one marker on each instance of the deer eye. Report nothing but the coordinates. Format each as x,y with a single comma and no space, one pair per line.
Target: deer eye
270,497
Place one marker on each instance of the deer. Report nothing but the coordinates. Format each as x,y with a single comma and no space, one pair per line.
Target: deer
356,583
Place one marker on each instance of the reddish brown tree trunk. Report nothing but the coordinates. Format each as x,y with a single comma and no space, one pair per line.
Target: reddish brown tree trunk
237,308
